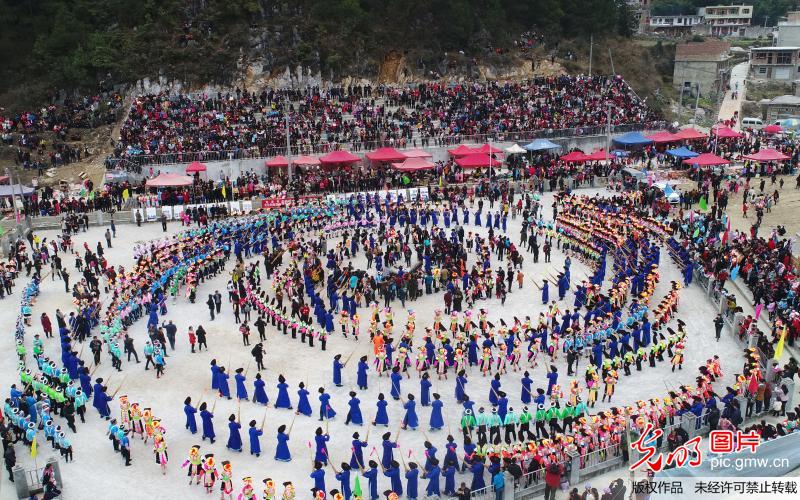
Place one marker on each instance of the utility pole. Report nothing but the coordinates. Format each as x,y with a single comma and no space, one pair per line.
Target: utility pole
680,105
611,58
288,143
591,47
608,128
696,104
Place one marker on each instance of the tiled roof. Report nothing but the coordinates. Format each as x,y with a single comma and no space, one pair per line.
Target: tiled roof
713,50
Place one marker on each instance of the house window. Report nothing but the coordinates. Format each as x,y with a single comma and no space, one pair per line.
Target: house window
761,55
783,58
762,71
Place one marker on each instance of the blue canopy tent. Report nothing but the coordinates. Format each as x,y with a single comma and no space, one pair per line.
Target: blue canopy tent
682,152
15,190
541,145
632,139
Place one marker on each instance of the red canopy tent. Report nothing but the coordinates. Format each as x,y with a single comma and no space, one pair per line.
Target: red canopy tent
574,157
277,162
169,180
414,165
306,160
195,166
417,153
663,137
599,155
386,155
773,129
488,149
339,158
726,133
706,160
477,160
690,134
461,150
767,154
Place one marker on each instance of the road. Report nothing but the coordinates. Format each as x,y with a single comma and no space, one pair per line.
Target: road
729,104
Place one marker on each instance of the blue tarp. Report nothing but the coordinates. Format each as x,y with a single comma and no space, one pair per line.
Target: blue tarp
541,145
682,152
632,139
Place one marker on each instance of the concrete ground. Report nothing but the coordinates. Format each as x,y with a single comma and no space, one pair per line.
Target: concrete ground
98,470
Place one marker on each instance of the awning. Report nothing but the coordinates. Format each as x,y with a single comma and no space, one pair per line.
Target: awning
599,155
195,167
277,162
15,190
773,129
487,149
417,153
386,155
516,149
477,160
682,152
541,145
414,165
339,158
663,137
690,134
767,154
707,160
725,133
461,150
574,157
632,139
305,160
169,180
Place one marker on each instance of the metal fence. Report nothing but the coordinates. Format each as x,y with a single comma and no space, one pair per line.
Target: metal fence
436,141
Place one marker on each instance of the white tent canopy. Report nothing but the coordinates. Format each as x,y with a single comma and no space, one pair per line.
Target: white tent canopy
516,149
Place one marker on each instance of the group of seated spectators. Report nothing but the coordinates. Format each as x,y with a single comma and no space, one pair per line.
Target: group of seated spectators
363,117
26,130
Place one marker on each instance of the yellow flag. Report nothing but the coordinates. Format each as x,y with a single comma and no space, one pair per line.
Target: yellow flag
779,349
224,195
33,447
125,194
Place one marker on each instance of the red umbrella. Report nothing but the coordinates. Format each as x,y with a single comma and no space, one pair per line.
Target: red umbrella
277,162
306,160
726,133
706,160
574,157
195,166
690,134
339,158
773,129
462,150
413,165
386,155
767,154
477,160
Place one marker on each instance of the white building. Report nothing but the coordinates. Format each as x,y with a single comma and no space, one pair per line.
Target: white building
727,20
679,25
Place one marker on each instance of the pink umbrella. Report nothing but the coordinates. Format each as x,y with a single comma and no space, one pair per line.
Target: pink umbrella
339,158
306,160
277,162
726,133
706,160
195,166
773,129
417,153
574,157
461,150
386,155
690,134
767,154
488,149
413,165
477,160
663,137
599,155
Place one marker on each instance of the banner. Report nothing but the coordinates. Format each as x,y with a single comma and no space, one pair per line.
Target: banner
151,213
247,206
167,212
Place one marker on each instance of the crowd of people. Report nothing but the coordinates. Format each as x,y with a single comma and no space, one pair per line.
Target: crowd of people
363,117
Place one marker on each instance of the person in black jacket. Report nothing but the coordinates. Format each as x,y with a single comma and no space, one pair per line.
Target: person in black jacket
10,458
